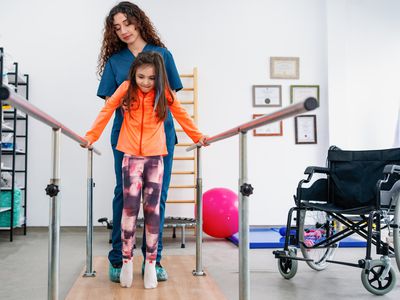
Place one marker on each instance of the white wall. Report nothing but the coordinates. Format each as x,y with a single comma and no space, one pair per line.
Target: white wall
363,67
229,41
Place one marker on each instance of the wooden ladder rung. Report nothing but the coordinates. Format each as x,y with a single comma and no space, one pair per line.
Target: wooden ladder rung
183,145
187,102
187,89
183,158
182,186
183,173
186,75
181,201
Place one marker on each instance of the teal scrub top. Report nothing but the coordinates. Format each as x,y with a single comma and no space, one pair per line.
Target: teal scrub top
116,71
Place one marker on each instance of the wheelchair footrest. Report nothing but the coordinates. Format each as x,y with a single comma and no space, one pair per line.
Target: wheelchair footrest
279,253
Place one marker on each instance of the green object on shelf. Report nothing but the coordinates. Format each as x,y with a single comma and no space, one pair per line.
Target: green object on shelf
5,202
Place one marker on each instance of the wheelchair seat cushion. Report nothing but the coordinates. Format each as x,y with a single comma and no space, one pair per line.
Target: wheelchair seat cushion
354,175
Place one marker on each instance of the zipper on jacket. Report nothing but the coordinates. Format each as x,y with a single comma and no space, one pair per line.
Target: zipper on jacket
141,128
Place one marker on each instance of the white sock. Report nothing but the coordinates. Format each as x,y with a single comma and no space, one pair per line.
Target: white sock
150,275
126,276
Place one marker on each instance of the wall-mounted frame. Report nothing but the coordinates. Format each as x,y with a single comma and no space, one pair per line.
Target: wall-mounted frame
300,93
284,67
267,95
305,127
273,129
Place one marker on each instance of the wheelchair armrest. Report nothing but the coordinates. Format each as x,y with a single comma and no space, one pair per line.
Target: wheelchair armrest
311,170
316,186
390,169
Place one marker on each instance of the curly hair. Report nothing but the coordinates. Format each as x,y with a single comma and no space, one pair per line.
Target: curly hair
163,92
112,44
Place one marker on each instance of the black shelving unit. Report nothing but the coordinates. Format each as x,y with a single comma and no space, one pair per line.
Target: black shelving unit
15,159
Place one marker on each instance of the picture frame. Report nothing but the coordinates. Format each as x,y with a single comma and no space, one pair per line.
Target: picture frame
267,95
284,67
305,129
273,129
300,93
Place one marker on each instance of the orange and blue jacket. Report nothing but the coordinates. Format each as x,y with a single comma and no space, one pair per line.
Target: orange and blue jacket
142,133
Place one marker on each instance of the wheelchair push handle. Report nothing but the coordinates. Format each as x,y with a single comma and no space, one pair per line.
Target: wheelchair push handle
390,169
312,169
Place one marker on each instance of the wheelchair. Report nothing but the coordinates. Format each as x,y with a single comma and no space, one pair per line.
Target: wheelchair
357,193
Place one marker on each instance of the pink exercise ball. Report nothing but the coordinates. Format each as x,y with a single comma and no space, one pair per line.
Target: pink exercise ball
220,212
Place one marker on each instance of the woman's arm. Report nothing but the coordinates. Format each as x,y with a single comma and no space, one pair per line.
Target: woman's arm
106,112
172,72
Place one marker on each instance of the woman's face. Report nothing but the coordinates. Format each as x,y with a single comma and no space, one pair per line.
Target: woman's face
126,31
145,78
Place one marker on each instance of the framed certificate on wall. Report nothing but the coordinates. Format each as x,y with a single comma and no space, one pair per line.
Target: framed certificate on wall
273,129
306,129
284,68
267,95
299,93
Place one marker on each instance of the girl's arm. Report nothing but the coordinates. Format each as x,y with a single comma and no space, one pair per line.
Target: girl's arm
106,112
185,120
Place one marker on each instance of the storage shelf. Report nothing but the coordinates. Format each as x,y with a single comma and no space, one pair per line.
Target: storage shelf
11,79
8,189
9,115
14,123
4,209
8,228
6,126
10,151
10,170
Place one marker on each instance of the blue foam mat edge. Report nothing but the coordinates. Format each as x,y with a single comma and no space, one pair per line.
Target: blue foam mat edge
261,238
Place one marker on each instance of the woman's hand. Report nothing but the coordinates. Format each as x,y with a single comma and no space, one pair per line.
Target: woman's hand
203,140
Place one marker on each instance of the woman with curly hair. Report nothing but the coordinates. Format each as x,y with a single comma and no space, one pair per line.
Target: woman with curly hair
128,32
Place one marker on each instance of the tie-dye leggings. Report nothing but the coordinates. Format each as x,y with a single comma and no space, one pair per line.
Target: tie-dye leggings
141,175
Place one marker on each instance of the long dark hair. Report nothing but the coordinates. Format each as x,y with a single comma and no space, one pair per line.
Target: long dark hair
112,44
163,91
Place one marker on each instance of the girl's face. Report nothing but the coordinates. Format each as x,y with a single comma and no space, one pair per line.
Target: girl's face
145,78
125,31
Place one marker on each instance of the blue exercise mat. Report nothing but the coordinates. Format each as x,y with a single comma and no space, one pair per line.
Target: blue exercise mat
271,238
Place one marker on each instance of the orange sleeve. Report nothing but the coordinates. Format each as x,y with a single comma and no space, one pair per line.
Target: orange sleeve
106,113
185,120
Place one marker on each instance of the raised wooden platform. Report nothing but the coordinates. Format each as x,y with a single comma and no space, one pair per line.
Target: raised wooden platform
181,283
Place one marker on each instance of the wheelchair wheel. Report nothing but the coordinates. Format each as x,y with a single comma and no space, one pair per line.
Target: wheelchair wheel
288,267
314,227
370,278
396,232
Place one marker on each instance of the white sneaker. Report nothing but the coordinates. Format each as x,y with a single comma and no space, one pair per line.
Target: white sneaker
126,276
150,275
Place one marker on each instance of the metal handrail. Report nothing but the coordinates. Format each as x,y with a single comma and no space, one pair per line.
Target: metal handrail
291,110
244,189
25,106
10,97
